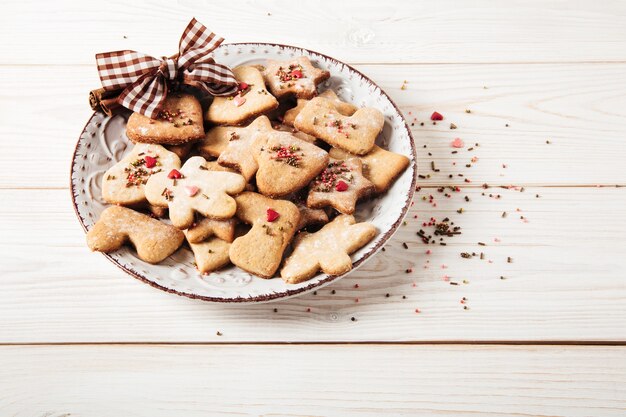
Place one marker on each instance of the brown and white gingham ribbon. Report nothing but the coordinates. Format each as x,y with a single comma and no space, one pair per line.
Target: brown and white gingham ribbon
145,79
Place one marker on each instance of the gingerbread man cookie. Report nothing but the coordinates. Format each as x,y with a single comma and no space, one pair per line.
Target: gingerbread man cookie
210,255
193,189
273,223
355,134
233,145
179,121
286,163
339,186
347,109
251,99
380,166
124,182
297,76
153,240
328,249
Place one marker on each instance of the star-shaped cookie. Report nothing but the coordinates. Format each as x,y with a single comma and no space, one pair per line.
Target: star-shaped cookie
340,186
125,181
329,249
233,145
294,77
179,121
193,189
380,166
347,109
355,134
286,163
251,99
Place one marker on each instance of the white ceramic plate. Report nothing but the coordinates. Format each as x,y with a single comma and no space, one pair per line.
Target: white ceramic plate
103,142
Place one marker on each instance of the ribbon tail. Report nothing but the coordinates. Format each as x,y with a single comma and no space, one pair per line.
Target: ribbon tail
146,95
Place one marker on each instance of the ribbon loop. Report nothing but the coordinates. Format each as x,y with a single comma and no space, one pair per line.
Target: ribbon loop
145,79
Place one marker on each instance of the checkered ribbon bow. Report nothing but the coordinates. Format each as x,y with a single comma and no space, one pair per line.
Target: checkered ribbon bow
145,79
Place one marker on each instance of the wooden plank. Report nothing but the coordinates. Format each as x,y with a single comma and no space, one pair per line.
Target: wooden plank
398,32
581,109
344,380
566,280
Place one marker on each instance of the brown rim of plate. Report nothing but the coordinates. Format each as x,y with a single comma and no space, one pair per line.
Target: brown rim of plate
327,279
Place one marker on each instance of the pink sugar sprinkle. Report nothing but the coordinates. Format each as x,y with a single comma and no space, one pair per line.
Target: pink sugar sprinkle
414,285
444,266
445,278
457,143
490,261
495,239
238,100
191,190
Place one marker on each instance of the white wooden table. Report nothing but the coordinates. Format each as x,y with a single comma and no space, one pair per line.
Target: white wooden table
80,338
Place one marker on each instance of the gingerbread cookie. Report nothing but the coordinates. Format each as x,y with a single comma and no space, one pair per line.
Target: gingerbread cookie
380,166
328,249
210,255
153,240
205,228
233,145
251,99
273,223
347,109
195,189
340,186
124,182
297,76
286,163
355,134
180,121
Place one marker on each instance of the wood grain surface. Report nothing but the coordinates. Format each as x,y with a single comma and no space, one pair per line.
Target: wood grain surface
540,86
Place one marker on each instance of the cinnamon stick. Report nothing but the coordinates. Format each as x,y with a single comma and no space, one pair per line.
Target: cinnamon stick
105,101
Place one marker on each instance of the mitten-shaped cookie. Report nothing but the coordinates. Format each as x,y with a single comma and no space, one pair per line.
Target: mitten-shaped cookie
328,249
195,189
153,240
273,223
355,134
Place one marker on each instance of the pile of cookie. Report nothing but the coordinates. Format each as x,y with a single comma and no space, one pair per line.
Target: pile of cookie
287,182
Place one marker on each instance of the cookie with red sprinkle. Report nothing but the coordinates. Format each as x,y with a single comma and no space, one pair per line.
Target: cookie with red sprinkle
340,185
274,223
286,163
294,77
251,99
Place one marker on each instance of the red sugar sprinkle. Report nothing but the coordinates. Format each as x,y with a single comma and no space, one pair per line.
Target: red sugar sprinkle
428,252
414,285
341,186
444,266
436,116
356,285
174,174
308,310
272,215
457,143
356,300
150,161
417,310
